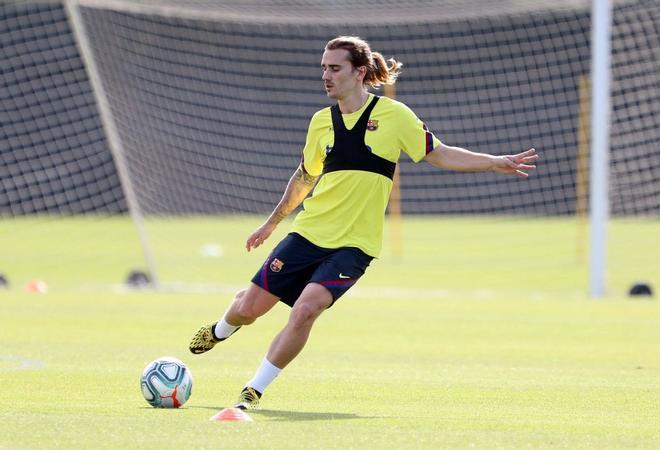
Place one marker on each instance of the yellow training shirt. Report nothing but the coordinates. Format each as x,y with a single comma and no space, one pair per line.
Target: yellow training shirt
347,207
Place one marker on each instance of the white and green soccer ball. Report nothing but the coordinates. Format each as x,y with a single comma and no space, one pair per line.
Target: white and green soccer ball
166,383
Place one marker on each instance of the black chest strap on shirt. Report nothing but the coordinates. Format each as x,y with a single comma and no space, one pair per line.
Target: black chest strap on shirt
349,151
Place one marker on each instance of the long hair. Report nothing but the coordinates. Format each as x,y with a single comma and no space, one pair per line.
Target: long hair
379,71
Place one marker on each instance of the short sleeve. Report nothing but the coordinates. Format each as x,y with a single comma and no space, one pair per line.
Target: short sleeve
312,157
414,137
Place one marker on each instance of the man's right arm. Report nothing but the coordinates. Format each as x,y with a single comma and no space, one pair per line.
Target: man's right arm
299,186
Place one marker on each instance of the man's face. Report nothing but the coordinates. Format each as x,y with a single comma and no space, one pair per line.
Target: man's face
340,78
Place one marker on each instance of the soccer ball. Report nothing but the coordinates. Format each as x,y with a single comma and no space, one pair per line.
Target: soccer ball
166,383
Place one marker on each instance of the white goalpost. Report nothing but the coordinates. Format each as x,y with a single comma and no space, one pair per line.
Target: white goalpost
601,34
113,138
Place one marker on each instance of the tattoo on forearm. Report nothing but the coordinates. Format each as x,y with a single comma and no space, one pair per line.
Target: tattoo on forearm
293,197
277,216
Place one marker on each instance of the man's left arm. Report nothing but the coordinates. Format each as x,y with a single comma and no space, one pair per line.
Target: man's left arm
462,160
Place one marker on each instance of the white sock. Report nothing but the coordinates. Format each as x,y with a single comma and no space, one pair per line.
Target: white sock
223,329
265,375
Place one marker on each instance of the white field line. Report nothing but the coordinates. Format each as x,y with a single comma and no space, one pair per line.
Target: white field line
356,292
13,363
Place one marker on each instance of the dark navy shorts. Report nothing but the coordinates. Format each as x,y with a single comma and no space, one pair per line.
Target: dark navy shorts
295,262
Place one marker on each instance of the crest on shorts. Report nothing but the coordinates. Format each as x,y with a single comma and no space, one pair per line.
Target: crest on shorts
372,125
276,265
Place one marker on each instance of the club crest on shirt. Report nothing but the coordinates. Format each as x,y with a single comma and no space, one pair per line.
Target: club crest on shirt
372,125
276,265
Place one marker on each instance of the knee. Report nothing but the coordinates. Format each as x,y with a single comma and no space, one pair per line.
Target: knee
304,314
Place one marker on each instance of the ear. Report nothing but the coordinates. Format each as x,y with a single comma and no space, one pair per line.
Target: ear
362,72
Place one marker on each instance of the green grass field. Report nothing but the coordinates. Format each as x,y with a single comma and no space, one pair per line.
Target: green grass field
480,334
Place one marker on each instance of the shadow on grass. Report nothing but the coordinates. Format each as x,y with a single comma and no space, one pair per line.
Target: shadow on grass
299,416
296,416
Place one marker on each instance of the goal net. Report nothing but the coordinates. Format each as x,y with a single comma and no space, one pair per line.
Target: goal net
193,117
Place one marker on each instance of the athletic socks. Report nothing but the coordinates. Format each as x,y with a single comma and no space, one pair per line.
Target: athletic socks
222,330
265,375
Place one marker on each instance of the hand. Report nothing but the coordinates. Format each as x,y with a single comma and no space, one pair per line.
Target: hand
517,165
259,236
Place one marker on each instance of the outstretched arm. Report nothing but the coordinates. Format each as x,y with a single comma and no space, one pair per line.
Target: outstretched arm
299,186
462,160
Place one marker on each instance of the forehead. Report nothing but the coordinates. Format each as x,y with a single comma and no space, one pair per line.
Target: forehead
336,57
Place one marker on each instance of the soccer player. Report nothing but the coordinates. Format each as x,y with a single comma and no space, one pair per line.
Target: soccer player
351,150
